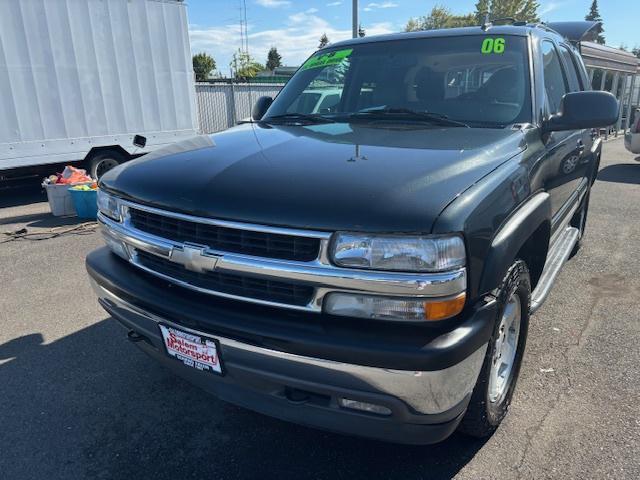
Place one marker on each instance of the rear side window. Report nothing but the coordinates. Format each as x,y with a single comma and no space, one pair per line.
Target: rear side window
554,82
572,72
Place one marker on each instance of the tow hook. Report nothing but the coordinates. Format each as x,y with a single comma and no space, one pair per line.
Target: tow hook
135,337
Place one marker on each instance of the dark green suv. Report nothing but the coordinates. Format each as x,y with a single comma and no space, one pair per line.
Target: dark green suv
365,254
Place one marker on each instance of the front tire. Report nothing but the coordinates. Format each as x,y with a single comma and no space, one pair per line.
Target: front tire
495,386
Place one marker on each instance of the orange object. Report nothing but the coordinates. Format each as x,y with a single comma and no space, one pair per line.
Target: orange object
73,175
439,310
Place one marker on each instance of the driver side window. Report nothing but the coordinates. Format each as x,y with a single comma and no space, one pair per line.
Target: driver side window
554,82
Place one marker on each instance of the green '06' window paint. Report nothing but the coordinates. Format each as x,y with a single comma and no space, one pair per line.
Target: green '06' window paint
492,45
331,58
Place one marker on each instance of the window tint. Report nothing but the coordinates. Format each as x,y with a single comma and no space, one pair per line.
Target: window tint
572,73
451,76
329,103
305,102
554,83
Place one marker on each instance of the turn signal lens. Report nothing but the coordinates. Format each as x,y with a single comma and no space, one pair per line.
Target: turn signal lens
377,307
439,310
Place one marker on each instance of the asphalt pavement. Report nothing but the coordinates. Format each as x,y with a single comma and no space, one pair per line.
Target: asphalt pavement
79,401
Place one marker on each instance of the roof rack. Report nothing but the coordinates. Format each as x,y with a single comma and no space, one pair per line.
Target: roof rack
488,23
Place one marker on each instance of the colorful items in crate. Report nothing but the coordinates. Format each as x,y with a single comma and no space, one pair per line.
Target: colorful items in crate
57,187
69,176
86,188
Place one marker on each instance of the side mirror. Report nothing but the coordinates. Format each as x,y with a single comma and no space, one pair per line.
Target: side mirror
261,107
590,109
140,141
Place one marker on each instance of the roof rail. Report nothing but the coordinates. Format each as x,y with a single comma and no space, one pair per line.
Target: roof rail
543,26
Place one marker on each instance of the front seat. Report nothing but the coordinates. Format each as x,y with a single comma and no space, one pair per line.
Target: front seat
429,89
504,86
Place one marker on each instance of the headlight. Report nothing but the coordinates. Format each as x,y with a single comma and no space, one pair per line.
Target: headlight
108,205
399,253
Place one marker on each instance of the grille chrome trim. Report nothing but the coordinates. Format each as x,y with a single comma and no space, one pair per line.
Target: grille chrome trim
228,224
320,274
233,240
240,286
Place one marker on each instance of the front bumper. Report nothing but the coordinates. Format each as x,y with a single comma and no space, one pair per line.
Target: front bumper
426,405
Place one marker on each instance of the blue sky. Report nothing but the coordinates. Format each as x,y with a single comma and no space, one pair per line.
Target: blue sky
294,26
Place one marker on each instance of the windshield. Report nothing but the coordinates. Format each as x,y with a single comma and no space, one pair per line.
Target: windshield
476,80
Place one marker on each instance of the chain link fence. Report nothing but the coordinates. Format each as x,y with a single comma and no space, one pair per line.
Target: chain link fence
222,105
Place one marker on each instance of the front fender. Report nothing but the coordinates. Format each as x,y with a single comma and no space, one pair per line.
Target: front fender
511,237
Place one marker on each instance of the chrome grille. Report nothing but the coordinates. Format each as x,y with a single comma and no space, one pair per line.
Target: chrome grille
230,284
225,239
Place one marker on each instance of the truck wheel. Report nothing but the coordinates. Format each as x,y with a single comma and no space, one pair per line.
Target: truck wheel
493,391
579,221
103,162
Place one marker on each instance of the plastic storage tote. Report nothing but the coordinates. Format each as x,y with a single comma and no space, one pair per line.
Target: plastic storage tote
85,202
60,201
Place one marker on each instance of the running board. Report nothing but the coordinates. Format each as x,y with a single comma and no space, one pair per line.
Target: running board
558,254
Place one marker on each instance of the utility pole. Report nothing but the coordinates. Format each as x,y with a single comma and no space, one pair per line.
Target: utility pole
356,23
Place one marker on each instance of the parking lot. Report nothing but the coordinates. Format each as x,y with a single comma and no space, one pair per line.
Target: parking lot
79,401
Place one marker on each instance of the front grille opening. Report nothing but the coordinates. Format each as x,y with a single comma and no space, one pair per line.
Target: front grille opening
224,239
231,284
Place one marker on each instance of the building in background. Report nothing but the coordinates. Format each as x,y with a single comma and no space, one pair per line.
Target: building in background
615,71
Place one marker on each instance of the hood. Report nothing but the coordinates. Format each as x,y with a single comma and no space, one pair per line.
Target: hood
325,177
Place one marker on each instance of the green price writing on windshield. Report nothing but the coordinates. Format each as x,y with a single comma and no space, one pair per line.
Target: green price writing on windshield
331,58
492,45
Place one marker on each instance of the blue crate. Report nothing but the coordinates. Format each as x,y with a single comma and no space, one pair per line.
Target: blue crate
85,202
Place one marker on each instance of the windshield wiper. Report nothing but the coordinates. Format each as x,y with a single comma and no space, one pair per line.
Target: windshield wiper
432,117
307,117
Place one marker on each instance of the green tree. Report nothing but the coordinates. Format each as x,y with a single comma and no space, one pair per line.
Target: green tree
243,65
636,51
521,10
482,9
439,17
594,16
274,59
413,25
324,41
203,65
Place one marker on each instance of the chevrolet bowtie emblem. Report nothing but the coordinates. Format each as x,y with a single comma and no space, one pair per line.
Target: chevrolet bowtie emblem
194,258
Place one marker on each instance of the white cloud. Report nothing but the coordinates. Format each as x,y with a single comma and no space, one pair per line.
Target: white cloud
374,5
273,3
333,4
297,40
549,7
312,10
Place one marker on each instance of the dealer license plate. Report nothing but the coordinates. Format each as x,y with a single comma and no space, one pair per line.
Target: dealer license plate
193,350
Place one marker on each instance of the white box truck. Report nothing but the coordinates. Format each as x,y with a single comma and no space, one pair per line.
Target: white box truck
80,78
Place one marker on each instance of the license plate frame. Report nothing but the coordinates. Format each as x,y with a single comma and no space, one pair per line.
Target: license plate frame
194,350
